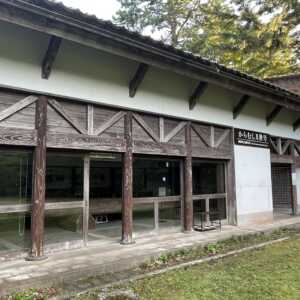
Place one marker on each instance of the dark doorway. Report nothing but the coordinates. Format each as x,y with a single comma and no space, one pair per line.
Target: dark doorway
282,189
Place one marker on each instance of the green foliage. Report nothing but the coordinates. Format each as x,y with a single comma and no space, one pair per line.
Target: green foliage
260,37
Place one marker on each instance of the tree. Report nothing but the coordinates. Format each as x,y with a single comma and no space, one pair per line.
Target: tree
260,37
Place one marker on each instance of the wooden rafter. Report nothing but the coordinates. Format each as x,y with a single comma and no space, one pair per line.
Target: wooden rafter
50,56
112,121
60,109
144,125
174,131
240,105
17,107
296,124
200,89
273,114
137,79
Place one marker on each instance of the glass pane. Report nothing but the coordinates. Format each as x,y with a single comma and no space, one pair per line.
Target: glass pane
156,177
14,231
217,207
63,226
64,178
143,217
105,220
169,214
199,210
15,177
208,178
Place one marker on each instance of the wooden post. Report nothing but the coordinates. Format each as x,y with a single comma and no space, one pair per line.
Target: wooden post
294,191
127,203
86,197
230,189
188,181
39,186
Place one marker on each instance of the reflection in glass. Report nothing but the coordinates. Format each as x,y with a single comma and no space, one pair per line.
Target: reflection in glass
15,177
169,214
64,178
143,217
218,208
208,177
63,225
154,177
14,231
105,220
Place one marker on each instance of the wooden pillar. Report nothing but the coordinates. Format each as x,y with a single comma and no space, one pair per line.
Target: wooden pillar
127,203
39,186
230,189
86,198
294,190
188,182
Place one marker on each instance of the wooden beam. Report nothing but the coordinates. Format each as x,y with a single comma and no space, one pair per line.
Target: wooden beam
113,120
39,186
147,128
60,109
240,105
273,114
174,131
188,182
222,138
86,197
90,119
127,203
200,89
17,107
202,138
50,56
137,79
161,129
296,124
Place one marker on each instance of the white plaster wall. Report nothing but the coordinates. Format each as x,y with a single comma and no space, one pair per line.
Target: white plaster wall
92,75
253,182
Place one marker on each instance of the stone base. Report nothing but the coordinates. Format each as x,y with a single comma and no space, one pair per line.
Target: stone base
36,258
255,218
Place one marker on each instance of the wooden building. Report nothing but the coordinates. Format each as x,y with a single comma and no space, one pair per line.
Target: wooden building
107,135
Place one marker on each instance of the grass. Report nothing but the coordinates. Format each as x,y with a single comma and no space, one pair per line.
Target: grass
272,272
269,273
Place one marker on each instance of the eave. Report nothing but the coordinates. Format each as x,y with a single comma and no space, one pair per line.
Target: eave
143,50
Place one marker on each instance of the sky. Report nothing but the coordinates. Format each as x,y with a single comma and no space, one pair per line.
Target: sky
103,9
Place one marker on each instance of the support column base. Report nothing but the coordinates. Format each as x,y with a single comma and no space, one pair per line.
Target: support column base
188,231
127,242
36,258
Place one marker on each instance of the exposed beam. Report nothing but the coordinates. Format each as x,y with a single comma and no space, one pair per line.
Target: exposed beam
174,131
50,56
296,124
273,114
239,107
137,79
200,89
31,16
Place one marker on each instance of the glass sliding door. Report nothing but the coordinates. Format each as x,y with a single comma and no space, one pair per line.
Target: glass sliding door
157,194
209,190
105,203
64,199
15,198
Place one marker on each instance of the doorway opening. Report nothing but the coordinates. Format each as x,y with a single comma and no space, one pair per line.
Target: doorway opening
105,203
282,190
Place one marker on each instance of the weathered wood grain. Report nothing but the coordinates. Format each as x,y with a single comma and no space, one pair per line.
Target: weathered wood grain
17,136
60,110
39,186
109,123
174,132
145,126
17,107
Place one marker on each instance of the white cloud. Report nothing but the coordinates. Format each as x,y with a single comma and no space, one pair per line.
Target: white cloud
103,9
